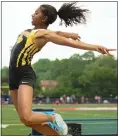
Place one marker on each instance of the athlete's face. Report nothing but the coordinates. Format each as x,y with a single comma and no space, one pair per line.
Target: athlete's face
37,17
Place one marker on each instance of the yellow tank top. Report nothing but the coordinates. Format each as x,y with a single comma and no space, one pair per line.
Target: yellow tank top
24,49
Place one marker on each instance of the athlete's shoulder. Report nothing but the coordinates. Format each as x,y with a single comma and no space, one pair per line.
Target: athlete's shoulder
40,32
28,30
25,32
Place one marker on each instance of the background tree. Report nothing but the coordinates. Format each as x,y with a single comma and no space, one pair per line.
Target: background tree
82,75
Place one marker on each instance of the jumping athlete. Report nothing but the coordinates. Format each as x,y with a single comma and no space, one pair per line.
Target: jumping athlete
22,78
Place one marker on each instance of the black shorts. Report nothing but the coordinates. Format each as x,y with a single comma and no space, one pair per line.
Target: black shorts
21,75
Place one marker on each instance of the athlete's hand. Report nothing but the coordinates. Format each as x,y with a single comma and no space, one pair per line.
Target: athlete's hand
75,36
104,50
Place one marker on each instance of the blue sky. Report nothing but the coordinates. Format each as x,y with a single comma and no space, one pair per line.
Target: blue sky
100,29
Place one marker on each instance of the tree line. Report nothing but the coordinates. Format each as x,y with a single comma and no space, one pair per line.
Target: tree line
82,75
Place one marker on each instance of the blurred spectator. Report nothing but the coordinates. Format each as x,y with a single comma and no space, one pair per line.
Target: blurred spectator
87,100
71,100
68,99
62,100
57,102
82,99
47,100
40,98
74,98
116,97
97,99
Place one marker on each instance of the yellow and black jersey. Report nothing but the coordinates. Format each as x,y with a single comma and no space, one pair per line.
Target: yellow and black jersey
24,49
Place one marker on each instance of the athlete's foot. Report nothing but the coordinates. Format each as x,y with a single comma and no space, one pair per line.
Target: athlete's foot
60,125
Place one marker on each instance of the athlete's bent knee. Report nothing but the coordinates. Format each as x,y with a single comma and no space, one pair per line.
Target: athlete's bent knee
25,119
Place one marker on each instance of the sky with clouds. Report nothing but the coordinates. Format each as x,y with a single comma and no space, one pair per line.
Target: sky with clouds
101,28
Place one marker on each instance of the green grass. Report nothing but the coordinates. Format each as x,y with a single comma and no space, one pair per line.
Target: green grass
9,116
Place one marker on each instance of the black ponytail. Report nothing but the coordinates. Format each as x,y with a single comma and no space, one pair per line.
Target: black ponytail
70,14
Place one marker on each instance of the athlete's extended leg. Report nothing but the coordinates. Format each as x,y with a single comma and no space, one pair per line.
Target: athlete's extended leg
45,129
25,95
14,94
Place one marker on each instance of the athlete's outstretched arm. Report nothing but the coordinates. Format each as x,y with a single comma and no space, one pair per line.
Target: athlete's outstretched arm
51,36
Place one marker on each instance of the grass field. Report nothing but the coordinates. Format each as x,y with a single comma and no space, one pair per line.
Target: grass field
15,127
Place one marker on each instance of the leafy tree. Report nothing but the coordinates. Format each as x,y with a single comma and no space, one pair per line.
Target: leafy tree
82,75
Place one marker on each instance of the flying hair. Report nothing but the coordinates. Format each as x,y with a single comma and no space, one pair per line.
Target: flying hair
71,14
